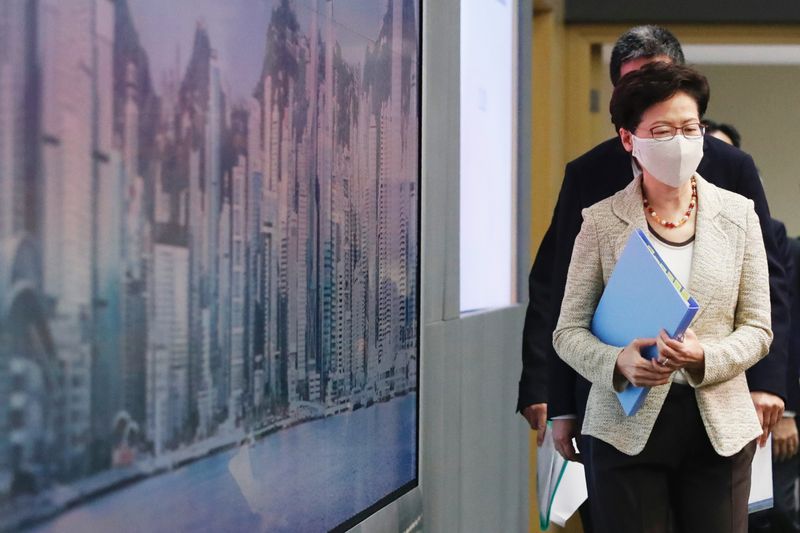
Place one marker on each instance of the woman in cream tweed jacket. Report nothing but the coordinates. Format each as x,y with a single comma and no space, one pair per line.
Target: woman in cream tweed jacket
684,457
731,285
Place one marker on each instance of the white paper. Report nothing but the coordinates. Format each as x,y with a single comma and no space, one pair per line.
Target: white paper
549,466
761,479
561,486
570,495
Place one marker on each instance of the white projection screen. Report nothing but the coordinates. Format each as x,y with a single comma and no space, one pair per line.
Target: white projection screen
487,235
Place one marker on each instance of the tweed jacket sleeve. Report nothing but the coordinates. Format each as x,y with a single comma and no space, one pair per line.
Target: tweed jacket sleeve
573,339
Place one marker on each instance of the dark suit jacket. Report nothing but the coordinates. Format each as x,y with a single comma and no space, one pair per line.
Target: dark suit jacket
793,361
592,177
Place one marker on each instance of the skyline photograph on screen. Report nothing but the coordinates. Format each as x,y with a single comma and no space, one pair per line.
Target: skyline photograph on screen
209,263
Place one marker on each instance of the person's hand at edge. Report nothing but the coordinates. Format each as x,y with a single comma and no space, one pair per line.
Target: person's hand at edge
784,439
769,409
536,415
564,430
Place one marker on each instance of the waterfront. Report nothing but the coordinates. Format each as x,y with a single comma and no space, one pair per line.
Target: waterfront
310,477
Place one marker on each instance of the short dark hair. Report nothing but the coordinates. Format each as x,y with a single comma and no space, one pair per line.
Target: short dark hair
727,129
644,41
653,83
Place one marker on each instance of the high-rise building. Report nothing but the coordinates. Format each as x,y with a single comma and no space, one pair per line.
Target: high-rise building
222,372
239,218
76,169
196,278
14,69
167,372
213,208
253,331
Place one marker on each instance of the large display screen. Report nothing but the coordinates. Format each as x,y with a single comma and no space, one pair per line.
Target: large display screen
209,263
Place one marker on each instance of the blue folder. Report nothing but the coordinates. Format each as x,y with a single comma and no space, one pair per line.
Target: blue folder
642,297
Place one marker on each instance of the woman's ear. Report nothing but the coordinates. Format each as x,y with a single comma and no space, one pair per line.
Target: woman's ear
627,141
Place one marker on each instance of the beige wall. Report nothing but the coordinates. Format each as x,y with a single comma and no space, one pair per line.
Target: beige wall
763,102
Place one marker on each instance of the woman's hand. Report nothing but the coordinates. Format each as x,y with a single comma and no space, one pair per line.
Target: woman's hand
676,354
639,371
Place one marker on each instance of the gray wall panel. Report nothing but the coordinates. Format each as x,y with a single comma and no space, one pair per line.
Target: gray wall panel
494,448
524,133
440,159
474,465
441,427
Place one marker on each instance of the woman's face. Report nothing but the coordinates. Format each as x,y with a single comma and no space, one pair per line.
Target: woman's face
678,111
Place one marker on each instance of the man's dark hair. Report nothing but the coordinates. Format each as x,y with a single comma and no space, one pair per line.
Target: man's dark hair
644,41
727,129
653,83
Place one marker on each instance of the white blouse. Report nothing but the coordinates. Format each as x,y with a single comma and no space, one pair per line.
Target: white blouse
678,257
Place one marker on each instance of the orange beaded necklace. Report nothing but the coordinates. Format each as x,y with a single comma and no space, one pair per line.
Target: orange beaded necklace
683,219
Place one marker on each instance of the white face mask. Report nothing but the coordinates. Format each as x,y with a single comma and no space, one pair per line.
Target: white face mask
671,162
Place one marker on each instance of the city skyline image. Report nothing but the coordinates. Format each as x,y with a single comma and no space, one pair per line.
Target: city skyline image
209,262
